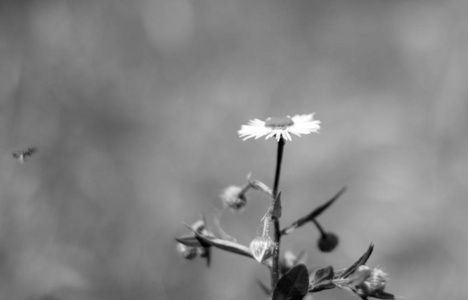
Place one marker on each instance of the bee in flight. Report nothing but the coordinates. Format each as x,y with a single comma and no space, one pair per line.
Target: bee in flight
22,156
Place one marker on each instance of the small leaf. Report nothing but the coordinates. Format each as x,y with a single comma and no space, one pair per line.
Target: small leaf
276,213
293,285
361,261
322,280
324,274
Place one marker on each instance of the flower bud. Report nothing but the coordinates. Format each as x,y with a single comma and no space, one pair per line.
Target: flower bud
262,248
186,252
374,284
234,198
328,242
367,282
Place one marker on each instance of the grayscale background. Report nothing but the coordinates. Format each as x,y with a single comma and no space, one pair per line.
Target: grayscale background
134,107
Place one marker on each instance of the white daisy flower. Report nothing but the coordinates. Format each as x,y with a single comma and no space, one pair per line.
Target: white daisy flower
280,127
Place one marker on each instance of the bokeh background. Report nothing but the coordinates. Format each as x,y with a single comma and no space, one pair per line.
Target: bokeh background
134,106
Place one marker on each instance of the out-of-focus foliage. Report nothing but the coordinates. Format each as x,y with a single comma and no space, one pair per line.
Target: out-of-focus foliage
134,107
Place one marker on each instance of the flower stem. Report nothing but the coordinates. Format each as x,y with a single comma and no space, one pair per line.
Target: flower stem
277,232
320,228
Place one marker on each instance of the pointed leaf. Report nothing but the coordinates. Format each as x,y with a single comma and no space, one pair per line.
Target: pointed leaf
361,261
276,213
313,214
293,285
316,212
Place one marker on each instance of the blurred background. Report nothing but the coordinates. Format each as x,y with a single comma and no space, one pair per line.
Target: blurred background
134,107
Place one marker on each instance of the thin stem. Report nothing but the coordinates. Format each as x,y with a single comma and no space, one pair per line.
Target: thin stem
277,231
245,189
320,228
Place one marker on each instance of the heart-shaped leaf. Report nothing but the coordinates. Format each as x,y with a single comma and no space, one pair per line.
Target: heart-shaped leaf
293,285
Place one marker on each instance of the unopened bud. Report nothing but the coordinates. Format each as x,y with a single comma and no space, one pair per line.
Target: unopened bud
262,248
374,283
366,282
328,242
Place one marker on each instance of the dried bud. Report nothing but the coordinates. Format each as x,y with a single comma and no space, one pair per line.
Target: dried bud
234,198
262,247
327,242
187,252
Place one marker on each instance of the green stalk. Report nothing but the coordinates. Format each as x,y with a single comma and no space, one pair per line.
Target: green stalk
277,232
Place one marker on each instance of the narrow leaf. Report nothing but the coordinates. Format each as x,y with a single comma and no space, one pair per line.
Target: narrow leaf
313,214
361,261
293,285
316,212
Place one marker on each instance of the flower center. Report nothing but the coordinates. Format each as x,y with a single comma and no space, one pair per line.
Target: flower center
279,123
